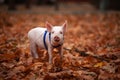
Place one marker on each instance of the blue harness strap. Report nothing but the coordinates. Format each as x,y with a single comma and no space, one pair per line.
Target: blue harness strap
44,38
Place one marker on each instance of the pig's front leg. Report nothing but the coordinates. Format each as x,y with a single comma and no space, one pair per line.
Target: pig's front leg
50,53
33,50
61,52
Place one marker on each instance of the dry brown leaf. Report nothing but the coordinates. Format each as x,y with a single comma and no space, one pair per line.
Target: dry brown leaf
95,34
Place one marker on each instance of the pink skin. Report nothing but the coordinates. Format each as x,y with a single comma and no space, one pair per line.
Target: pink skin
57,38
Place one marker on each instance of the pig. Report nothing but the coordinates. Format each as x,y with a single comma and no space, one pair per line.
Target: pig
47,38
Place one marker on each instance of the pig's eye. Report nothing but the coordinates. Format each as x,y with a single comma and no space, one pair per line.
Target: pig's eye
61,32
52,32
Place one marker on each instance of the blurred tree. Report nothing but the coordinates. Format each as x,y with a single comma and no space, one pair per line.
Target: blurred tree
50,2
11,5
103,5
28,3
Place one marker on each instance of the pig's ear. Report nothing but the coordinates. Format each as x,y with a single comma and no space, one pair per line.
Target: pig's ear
48,26
64,26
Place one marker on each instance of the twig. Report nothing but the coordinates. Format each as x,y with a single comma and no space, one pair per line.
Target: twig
84,54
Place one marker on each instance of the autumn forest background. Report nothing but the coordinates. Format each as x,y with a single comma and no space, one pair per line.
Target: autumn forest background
91,47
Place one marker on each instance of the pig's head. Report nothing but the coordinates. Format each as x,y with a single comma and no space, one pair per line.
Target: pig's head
57,33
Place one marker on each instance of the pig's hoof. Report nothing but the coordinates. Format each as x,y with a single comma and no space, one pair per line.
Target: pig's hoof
36,60
36,57
50,62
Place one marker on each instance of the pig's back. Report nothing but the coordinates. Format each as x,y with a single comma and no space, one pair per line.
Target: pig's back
36,32
36,35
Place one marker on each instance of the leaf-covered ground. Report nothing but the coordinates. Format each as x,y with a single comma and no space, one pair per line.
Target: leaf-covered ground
91,48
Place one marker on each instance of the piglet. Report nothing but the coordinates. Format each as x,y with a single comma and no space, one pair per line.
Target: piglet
47,38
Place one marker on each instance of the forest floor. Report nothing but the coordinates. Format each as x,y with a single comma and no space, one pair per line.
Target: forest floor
91,47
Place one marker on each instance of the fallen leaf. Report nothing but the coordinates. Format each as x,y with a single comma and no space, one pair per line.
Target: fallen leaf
99,65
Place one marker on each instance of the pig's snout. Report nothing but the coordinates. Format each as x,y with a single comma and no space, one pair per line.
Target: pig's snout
56,39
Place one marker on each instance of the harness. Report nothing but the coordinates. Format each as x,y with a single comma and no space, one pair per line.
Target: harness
44,40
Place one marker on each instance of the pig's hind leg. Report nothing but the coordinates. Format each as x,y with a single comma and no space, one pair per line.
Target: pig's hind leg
33,49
